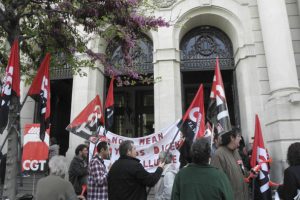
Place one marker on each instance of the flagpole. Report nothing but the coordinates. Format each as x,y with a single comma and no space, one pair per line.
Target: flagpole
12,123
212,139
213,135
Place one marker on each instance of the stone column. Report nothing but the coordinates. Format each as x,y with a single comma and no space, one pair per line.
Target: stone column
278,47
298,3
84,90
167,88
282,110
167,79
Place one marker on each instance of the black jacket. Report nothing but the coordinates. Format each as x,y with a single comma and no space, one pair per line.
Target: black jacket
78,173
127,179
291,183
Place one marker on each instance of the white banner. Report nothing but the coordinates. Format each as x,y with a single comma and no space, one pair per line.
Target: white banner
148,147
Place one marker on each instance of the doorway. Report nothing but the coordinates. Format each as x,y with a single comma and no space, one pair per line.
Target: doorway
61,96
192,80
134,110
199,49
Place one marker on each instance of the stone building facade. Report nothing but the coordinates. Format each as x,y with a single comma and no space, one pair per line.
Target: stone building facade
261,62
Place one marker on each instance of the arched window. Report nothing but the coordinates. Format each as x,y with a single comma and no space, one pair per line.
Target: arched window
142,54
200,47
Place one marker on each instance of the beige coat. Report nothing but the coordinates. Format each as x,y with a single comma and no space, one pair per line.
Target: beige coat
226,160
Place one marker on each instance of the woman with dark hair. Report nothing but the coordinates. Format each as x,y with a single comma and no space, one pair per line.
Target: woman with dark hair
291,180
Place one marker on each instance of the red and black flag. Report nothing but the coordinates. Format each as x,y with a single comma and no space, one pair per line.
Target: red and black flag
193,126
40,91
109,106
194,118
10,84
217,112
260,157
89,120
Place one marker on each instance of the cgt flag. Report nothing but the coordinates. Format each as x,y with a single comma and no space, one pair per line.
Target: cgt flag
217,112
260,156
89,120
194,119
10,84
109,106
40,91
192,127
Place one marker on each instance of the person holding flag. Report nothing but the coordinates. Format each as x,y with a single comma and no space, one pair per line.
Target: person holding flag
192,126
227,159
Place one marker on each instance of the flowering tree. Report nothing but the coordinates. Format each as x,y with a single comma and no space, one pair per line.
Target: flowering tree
63,28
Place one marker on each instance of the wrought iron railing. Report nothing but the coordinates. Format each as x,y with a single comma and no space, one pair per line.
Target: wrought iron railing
61,73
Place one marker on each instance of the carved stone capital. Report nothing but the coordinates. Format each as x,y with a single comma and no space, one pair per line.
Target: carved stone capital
164,3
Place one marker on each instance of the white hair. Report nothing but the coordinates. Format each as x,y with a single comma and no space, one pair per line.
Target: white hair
58,166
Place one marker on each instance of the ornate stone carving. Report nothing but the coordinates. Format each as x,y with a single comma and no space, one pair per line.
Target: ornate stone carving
200,47
164,3
142,55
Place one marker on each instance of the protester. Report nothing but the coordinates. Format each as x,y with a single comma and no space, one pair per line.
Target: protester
127,178
184,149
97,180
227,158
215,144
78,171
244,153
199,180
55,186
163,188
291,182
53,148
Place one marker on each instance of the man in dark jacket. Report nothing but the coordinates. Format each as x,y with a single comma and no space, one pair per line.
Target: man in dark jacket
127,178
78,171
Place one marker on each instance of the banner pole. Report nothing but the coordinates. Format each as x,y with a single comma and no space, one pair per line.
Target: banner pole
212,136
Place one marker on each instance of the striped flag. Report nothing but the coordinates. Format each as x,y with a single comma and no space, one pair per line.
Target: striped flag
217,112
193,126
194,118
40,91
260,156
87,123
10,84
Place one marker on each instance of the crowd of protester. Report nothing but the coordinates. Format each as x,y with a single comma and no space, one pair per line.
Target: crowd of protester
207,172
